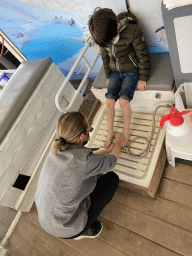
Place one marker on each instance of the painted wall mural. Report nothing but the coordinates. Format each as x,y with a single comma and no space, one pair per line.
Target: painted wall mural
150,19
58,28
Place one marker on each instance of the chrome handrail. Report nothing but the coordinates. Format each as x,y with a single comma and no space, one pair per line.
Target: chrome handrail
178,100
76,94
8,71
2,72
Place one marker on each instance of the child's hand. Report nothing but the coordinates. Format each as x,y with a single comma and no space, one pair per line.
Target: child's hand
107,83
141,85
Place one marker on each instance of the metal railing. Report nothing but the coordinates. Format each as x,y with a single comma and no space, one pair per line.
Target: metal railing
8,71
186,90
60,93
3,72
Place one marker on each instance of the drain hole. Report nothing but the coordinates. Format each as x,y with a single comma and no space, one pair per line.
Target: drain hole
21,181
158,95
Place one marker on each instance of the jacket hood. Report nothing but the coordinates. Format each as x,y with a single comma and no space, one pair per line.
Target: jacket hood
125,18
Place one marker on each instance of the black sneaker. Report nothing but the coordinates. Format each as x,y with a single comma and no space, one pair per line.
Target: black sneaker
93,231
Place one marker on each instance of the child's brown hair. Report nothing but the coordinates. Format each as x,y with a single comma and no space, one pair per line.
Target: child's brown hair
103,26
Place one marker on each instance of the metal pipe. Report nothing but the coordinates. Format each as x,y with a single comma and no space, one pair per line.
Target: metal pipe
84,88
76,94
86,62
8,71
11,229
59,93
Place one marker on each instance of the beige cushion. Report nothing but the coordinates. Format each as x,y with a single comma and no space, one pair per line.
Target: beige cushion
161,77
18,90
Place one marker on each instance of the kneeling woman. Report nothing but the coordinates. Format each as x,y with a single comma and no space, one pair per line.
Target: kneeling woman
69,196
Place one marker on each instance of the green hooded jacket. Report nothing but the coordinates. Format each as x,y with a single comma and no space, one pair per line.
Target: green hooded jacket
131,50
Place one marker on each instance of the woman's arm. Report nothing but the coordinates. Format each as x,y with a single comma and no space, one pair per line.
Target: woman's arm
106,150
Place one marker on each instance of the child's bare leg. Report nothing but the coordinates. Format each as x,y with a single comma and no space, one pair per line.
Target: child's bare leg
126,111
110,111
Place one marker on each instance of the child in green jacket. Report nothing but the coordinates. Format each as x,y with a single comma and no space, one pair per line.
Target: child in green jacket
126,61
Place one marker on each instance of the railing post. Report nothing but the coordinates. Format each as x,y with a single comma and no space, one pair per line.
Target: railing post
77,92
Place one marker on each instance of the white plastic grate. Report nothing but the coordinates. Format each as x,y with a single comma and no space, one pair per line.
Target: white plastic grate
141,125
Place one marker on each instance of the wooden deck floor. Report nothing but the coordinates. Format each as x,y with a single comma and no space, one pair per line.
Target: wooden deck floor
133,225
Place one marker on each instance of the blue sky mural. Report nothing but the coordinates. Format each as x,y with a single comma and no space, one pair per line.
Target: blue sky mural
41,31
56,41
20,21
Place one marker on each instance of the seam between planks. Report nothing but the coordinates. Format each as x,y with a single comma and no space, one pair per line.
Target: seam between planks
138,235
189,231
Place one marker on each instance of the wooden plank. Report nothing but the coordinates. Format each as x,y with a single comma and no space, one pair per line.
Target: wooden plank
154,183
147,122
153,186
3,252
143,161
140,115
28,197
125,159
32,215
3,230
124,155
176,192
93,111
9,254
128,171
140,167
7,215
160,208
23,122
183,161
129,242
100,144
128,164
139,142
138,127
20,247
181,173
11,196
41,240
103,131
164,234
22,152
133,187
93,247
134,120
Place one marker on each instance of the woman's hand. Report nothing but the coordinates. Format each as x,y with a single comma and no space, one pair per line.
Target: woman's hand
106,150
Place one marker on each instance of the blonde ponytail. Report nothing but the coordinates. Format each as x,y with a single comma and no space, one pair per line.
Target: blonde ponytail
69,127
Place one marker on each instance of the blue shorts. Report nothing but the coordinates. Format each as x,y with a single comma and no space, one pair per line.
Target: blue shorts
122,85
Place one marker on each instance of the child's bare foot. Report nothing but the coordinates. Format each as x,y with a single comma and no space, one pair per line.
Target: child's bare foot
126,137
110,137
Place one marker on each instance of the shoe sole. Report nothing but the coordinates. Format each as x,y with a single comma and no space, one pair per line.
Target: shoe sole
81,237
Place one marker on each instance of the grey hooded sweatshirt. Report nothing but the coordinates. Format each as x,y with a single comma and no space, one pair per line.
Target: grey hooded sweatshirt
63,192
